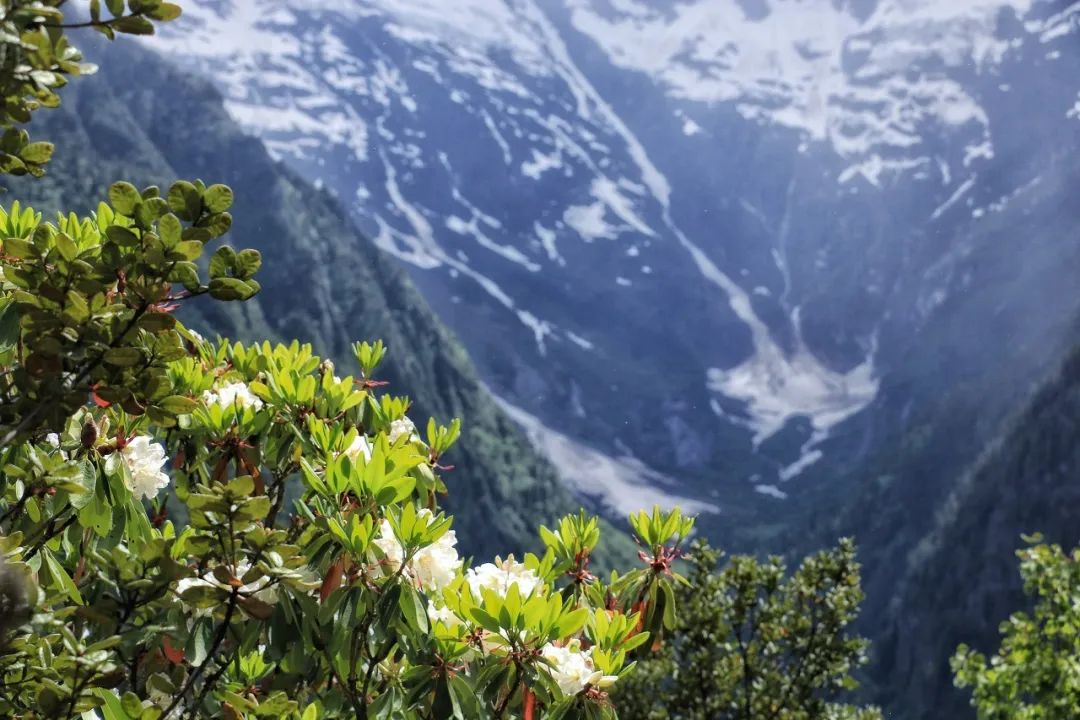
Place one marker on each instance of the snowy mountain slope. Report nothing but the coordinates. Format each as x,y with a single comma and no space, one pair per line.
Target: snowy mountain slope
694,233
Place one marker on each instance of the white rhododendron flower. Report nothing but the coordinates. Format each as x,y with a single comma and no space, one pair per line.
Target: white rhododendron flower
431,568
235,394
144,460
183,585
572,668
360,446
401,427
260,589
435,566
388,543
443,615
500,575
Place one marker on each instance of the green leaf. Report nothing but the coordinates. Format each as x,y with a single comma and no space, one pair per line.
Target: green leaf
218,198
669,605
170,230
189,249
201,636
133,25
184,200
9,325
123,356
156,322
67,247
131,704
227,288
113,708
60,579
178,404
464,700
88,479
121,236
412,607
124,197
37,152
165,12
186,273
247,263
19,248
217,224
222,262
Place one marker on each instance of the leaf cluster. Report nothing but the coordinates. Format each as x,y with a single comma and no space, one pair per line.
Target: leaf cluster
37,58
753,642
1034,673
85,303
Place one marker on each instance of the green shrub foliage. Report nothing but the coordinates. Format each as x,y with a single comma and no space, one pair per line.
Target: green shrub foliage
753,643
1036,671
36,60
347,598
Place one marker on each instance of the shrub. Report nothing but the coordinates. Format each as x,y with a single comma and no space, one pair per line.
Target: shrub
754,643
1035,672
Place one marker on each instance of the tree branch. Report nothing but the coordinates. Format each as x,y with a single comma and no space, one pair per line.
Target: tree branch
219,637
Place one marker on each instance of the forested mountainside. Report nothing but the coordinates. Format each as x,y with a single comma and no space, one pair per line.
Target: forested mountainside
978,359
143,120
962,578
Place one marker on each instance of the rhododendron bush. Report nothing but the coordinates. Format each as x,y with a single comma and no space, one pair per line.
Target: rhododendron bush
227,529
297,564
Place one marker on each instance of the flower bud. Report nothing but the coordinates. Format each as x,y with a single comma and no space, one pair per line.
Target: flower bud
89,434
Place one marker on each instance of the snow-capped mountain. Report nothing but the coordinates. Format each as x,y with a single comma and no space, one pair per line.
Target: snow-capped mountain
697,237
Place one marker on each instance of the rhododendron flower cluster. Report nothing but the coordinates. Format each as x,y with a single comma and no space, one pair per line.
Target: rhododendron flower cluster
144,460
572,668
500,575
402,427
430,568
234,394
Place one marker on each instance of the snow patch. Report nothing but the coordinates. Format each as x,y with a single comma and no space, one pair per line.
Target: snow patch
624,484
588,221
815,67
771,491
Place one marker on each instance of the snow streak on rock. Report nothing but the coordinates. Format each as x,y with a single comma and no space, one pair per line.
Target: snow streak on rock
623,484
